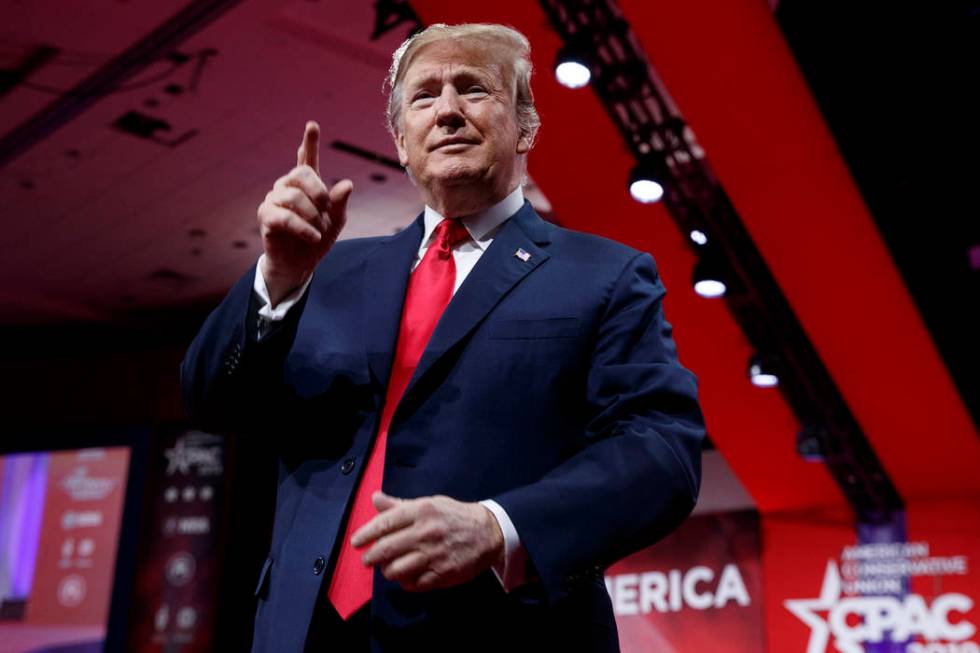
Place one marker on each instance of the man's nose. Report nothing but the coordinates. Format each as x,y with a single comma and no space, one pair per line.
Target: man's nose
449,107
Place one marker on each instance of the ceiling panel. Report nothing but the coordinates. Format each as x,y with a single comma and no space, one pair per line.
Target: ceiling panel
99,221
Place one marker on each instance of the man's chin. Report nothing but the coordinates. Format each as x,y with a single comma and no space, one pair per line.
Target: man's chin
458,175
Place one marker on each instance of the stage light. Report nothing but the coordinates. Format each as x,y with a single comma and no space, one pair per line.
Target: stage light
572,68
761,373
708,278
699,237
646,191
647,179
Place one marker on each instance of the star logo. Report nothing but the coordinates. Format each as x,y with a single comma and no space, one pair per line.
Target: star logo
806,611
178,459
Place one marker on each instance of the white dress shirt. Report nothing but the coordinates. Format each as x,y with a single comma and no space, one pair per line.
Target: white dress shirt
482,227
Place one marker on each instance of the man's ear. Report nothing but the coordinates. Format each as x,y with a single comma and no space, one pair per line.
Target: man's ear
402,150
524,143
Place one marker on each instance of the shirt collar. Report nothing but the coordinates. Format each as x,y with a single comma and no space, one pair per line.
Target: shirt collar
481,225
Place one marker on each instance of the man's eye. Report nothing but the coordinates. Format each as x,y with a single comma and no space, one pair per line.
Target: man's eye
475,89
422,95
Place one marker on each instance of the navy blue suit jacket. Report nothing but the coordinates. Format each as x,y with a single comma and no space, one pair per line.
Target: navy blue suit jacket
550,385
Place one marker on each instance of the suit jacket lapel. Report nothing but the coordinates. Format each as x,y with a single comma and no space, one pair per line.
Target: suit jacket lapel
513,254
385,282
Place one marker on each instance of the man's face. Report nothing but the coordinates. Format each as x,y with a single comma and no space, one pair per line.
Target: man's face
458,127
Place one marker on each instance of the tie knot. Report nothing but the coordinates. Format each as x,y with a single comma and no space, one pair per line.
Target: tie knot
449,233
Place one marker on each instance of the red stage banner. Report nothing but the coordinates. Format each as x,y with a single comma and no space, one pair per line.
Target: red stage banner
914,593
699,589
79,535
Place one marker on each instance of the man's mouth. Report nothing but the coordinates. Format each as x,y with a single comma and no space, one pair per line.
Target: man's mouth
449,143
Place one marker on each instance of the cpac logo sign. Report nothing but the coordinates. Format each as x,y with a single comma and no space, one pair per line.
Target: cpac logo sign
856,620
182,457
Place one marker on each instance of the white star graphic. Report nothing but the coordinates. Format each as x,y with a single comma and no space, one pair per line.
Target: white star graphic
178,459
805,609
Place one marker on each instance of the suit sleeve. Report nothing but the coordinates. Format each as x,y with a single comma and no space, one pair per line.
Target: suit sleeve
230,377
637,478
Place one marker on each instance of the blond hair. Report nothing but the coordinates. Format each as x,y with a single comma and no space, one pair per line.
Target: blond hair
517,69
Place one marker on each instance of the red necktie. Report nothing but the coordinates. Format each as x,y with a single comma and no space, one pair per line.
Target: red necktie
430,288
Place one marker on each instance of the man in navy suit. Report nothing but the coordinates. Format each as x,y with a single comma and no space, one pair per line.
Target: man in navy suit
475,415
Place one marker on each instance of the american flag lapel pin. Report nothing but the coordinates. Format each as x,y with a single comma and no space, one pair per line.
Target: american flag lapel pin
521,254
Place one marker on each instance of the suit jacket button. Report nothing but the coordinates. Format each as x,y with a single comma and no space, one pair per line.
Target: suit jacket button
319,565
348,466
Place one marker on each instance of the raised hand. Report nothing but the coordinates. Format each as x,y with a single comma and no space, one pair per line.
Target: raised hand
300,219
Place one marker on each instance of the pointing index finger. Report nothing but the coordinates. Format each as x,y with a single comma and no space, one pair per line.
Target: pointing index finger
309,150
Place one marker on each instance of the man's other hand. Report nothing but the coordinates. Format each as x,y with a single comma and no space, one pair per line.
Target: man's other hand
300,219
431,542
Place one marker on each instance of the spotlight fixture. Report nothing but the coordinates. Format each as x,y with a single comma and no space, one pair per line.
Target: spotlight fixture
572,68
708,278
699,237
762,372
647,178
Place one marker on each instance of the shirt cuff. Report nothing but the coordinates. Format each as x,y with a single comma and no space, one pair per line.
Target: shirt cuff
266,312
512,573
